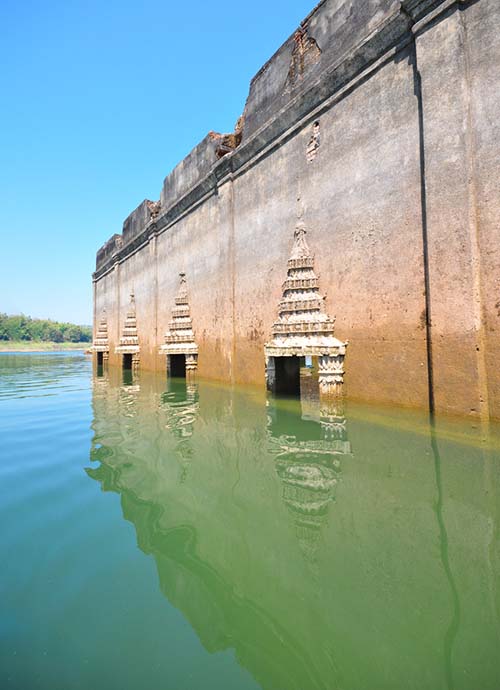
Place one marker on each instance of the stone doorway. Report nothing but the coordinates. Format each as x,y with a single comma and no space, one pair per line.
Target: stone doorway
293,375
100,359
127,361
177,366
287,375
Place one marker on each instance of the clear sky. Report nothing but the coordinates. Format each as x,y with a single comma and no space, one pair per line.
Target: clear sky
99,101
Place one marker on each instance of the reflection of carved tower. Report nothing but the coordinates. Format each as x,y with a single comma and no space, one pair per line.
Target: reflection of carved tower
308,465
303,328
309,482
179,338
180,404
101,342
129,341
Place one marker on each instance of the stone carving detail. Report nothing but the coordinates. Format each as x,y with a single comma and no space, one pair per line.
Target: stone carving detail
226,143
154,209
305,54
101,342
129,341
179,338
313,145
303,328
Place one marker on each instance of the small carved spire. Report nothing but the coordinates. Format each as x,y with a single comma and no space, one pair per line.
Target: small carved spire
101,343
182,292
300,248
129,341
299,206
179,338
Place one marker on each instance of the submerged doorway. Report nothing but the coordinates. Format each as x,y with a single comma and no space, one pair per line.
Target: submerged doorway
177,366
287,375
127,362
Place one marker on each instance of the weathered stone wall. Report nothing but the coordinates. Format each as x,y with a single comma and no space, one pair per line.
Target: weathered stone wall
399,189
456,60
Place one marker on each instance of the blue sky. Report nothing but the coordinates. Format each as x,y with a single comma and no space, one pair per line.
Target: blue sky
99,101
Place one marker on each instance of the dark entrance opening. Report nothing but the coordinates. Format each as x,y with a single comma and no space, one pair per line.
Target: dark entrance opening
128,377
287,375
100,359
178,366
127,362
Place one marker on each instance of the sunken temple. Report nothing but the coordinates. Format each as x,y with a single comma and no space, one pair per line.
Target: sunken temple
382,282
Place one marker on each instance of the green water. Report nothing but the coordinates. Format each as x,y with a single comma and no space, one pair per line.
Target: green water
162,536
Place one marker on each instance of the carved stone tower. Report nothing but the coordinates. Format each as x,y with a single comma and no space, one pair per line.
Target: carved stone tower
101,342
303,328
179,338
129,341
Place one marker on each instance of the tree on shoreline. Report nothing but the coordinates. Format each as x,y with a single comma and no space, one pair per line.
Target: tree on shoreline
19,327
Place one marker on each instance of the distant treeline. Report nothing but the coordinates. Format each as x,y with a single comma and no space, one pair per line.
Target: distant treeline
22,327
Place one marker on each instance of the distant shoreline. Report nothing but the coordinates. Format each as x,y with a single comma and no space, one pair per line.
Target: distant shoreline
12,346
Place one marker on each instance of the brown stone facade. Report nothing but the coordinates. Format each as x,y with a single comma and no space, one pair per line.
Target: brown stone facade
389,133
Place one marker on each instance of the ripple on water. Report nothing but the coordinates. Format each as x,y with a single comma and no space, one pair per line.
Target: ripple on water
42,375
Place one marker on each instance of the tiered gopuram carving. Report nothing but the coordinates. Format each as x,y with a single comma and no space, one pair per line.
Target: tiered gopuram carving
303,327
101,342
179,338
129,341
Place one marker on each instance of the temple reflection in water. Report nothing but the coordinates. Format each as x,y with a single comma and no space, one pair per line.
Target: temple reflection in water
308,461
296,536
180,406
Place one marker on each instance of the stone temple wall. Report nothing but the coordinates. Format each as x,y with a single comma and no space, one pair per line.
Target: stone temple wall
377,122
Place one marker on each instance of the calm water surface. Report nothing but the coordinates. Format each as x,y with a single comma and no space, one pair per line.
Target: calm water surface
162,536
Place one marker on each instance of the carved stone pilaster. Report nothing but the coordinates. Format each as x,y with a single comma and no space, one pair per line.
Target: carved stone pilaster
331,375
191,362
135,362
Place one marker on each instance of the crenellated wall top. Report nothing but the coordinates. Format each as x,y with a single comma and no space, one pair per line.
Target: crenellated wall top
337,42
